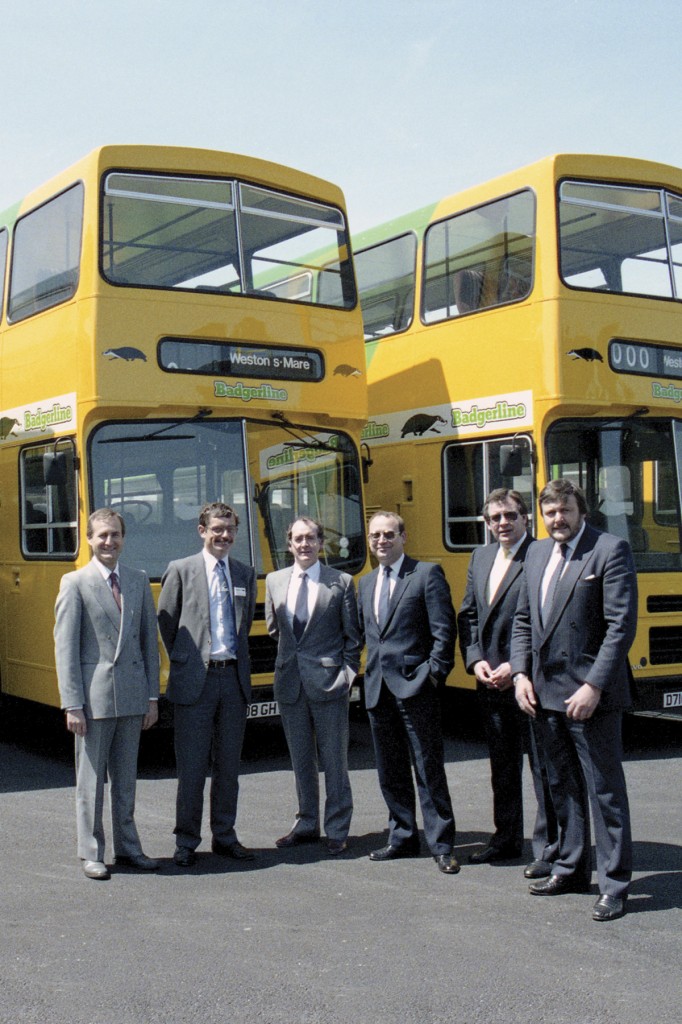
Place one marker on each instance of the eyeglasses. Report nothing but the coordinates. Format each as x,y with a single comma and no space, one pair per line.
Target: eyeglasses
218,531
511,517
386,534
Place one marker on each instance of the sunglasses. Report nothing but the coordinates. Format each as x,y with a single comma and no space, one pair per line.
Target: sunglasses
511,517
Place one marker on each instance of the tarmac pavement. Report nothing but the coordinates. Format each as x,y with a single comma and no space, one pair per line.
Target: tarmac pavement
297,937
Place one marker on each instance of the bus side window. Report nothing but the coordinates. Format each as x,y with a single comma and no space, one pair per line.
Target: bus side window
49,521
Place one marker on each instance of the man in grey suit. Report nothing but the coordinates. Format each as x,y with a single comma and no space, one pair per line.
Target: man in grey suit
485,626
107,658
575,622
311,611
410,630
206,609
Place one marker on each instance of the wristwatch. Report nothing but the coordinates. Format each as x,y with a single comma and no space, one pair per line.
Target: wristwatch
517,676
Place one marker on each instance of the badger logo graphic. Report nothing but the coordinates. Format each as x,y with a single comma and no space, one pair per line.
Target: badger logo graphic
420,423
126,353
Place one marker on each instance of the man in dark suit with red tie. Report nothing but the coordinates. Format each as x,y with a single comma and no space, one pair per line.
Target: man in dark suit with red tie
484,626
575,622
410,630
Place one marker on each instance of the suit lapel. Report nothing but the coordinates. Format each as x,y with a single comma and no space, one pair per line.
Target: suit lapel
280,591
324,594
572,573
402,583
486,559
102,592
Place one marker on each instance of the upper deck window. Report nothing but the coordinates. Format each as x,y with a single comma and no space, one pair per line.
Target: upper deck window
479,259
386,274
617,238
46,255
222,236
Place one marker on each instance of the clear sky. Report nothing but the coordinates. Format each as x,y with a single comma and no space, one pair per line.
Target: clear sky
399,102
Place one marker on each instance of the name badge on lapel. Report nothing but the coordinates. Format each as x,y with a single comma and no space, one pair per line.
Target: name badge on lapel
240,591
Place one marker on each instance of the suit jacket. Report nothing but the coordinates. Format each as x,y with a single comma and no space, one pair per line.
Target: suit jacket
327,657
185,625
485,629
416,647
107,661
591,624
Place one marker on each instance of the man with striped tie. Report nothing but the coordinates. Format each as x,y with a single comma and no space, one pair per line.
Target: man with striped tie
206,608
107,658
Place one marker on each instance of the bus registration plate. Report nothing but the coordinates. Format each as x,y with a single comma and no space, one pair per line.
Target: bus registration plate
270,708
672,700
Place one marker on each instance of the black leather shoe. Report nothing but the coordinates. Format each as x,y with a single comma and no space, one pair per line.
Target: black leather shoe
394,852
493,854
447,863
538,869
296,838
96,869
184,857
608,908
138,861
558,885
234,850
336,846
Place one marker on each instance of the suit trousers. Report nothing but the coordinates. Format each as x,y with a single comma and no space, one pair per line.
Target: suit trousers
209,736
311,726
408,732
508,732
110,746
587,757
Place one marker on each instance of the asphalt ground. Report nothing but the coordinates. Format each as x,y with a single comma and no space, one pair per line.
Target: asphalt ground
297,937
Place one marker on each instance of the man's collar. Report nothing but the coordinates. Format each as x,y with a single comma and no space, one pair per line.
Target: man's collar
313,572
395,566
104,569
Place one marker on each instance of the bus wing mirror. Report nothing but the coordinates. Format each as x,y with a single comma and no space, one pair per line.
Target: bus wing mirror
366,460
511,460
54,469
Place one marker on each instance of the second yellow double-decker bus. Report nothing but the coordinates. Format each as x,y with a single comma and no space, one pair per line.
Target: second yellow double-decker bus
169,337
532,328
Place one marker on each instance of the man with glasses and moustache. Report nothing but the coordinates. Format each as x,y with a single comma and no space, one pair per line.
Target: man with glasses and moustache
485,625
206,608
410,630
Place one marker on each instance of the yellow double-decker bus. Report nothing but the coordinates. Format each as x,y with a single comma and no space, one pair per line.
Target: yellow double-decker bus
167,339
531,328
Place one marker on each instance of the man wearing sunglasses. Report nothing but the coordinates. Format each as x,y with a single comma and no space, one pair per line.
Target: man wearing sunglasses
206,609
410,631
485,624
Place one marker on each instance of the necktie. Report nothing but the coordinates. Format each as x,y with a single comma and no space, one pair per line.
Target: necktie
384,597
230,636
498,572
115,588
301,607
552,585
